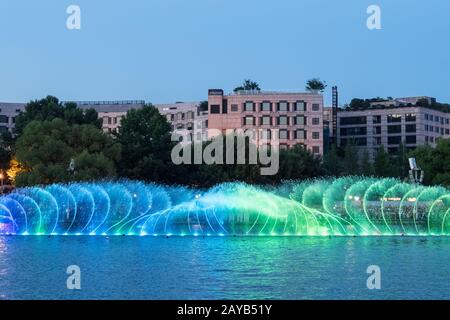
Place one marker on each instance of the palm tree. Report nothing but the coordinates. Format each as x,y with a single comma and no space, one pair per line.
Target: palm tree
248,85
315,85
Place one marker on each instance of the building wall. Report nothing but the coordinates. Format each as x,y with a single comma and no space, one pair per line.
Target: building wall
186,116
388,127
229,112
8,113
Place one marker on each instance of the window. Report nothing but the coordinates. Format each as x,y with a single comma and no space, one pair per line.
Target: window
430,117
249,106
283,106
431,128
437,119
215,109
249,121
284,134
169,117
410,139
3,119
315,149
436,129
300,134
300,120
266,106
282,120
315,107
394,118
266,134
300,106
410,128
447,121
354,141
395,140
376,119
3,129
447,131
356,131
410,117
353,120
377,141
234,108
426,127
377,130
315,121
426,116
394,129
316,135
266,120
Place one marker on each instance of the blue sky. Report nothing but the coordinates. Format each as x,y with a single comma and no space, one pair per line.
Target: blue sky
174,50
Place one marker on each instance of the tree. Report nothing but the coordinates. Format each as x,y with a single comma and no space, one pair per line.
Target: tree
146,146
46,148
350,163
435,162
248,85
6,149
365,166
297,163
14,169
382,164
332,163
50,108
315,85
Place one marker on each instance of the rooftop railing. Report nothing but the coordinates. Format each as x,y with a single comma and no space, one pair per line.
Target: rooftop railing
105,102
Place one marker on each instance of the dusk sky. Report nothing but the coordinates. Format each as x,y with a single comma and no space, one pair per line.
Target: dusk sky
174,50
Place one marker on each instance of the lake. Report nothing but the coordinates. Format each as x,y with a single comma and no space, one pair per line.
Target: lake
119,267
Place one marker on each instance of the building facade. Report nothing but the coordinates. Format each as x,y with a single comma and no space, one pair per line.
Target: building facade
296,117
411,126
8,113
188,117
111,112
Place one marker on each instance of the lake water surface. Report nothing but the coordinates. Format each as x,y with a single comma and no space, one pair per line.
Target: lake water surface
33,267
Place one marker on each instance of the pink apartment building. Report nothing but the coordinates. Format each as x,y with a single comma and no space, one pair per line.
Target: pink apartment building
298,117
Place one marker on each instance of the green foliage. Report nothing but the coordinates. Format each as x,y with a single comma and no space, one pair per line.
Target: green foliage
6,149
315,84
146,145
51,108
331,162
46,149
383,164
365,166
248,85
435,162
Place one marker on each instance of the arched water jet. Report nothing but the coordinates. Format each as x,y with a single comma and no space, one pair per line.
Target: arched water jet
344,206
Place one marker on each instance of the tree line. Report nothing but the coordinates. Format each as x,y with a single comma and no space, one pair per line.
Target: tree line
59,142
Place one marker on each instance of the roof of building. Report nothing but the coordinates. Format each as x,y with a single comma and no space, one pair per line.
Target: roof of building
111,106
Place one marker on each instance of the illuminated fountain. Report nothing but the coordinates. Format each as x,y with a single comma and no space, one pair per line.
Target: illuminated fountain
344,206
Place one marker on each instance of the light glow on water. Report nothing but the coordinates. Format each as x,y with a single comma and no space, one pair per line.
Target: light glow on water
346,206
